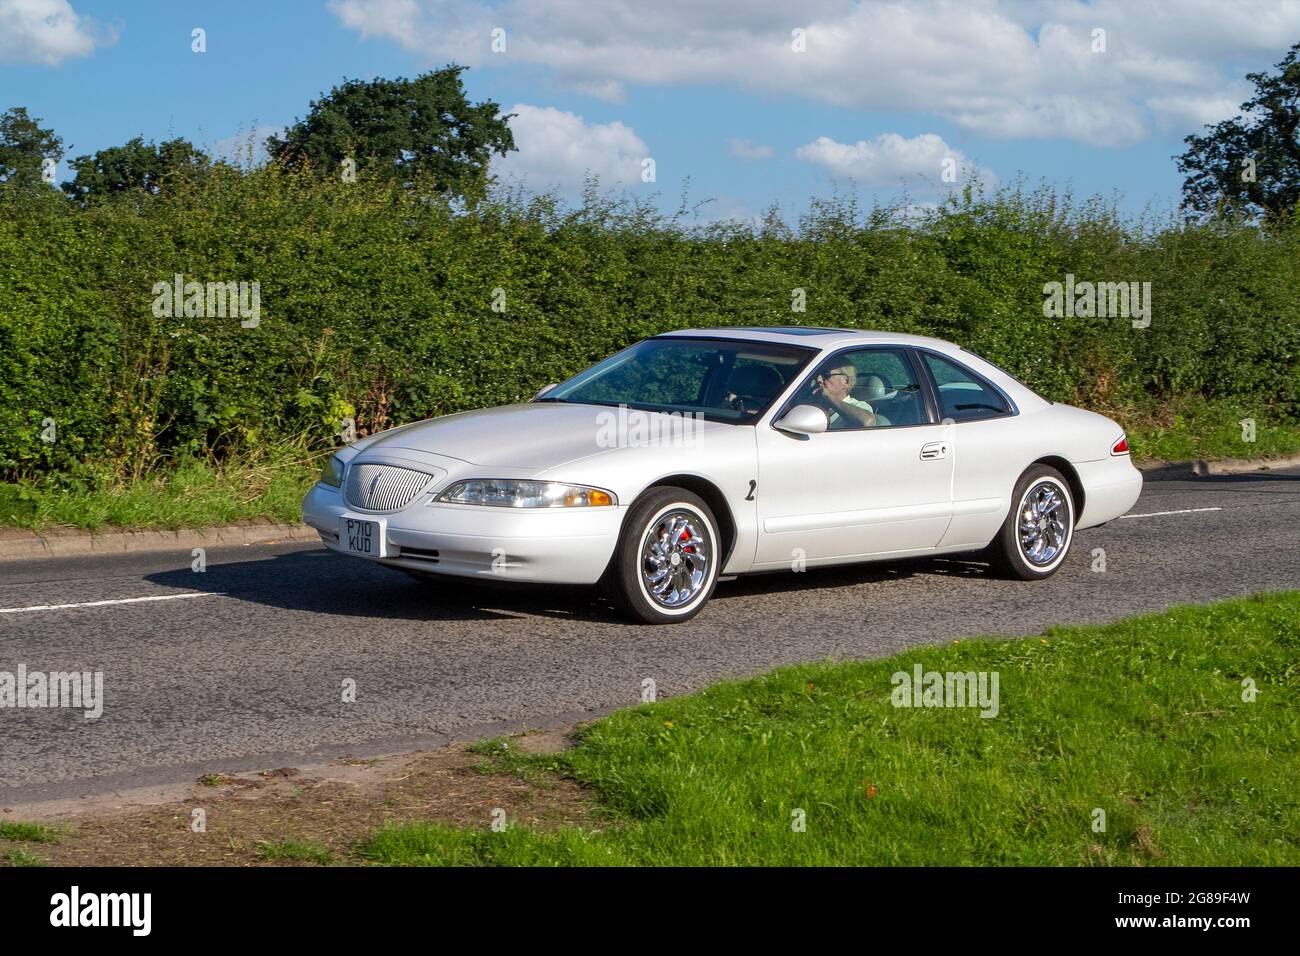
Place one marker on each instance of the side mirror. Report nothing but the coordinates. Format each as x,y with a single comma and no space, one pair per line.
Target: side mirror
804,420
543,390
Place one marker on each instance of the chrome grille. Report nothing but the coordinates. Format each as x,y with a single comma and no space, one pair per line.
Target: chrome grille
383,487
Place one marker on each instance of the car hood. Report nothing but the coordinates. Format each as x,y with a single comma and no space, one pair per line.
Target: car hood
538,435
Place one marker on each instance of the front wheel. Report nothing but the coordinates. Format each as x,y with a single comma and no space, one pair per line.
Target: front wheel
667,560
1039,529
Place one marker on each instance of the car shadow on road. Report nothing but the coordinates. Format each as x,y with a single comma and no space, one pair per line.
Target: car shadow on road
876,572
317,581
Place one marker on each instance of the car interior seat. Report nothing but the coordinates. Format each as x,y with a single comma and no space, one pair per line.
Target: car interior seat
755,385
872,391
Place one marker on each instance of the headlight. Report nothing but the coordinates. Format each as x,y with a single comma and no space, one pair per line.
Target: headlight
506,493
332,473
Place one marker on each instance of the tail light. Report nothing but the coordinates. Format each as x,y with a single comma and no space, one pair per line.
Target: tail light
1120,447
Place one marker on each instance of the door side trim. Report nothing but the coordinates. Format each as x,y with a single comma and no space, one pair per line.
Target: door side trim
784,524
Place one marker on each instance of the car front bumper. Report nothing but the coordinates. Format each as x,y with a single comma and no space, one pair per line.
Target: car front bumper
540,546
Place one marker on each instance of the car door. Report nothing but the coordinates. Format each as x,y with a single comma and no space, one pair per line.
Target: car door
987,448
856,490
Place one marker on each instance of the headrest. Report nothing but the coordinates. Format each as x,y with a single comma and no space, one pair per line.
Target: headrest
872,388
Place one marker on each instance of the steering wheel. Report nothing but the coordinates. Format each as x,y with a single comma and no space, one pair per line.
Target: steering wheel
745,404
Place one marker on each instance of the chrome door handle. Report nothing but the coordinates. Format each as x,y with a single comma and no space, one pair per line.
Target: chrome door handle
934,450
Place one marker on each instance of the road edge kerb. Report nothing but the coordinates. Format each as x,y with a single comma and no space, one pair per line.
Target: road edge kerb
17,544
1198,468
22,545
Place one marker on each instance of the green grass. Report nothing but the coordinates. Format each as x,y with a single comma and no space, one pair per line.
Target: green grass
294,850
30,832
22,857
194,495
1143,719
1210,430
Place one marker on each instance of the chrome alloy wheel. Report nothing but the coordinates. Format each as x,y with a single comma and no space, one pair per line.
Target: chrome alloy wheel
1043,528
675,557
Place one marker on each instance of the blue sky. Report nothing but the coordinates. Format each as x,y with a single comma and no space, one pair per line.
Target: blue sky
716,91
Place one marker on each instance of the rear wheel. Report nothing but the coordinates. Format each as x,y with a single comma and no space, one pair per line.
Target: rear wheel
667,560
1039,529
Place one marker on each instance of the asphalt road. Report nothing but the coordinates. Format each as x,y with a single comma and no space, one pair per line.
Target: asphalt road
245,671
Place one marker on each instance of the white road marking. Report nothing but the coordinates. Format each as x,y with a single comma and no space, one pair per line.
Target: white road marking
197,594
1161,514
134,600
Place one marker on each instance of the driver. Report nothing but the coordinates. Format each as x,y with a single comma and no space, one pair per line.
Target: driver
832,393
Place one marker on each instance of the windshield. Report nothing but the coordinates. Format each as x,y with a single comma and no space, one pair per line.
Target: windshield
721,379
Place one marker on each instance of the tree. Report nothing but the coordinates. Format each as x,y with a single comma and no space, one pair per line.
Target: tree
401,128
136,165
1251,162
24,147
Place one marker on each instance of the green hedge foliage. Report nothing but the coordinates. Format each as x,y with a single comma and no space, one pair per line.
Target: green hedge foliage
376,302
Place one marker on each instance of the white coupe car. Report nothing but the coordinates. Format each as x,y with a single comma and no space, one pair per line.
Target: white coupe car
709,453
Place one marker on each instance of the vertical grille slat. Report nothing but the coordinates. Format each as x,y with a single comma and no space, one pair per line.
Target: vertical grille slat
383,487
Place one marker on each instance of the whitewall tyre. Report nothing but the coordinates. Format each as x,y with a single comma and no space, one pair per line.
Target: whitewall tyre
668,557
1039,529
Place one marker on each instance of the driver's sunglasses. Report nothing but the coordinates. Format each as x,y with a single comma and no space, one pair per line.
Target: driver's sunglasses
833,374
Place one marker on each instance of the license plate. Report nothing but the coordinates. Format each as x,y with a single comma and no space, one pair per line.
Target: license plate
359,536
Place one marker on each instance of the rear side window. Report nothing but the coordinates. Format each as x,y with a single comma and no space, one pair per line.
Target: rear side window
963,395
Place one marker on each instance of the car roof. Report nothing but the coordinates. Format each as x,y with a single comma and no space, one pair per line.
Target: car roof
809,335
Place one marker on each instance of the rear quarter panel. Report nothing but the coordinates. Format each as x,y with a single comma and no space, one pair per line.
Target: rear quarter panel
991,455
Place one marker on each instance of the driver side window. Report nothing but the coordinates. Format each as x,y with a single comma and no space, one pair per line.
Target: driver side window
866,388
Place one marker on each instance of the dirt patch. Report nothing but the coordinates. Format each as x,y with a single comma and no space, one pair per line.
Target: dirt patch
267,818
544,741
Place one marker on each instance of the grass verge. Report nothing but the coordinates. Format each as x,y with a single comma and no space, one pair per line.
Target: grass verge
294,851
1145,724
18,832
1209,431
193,495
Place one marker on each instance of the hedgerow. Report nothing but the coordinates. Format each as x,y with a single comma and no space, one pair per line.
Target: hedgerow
380,304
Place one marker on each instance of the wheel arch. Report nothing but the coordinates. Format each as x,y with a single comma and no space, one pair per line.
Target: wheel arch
712,496
1071,477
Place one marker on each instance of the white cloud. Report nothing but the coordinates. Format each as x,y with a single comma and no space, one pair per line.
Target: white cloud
747,149
561,149
611,91
1193,112
45,32
893,160
461,29
999,67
